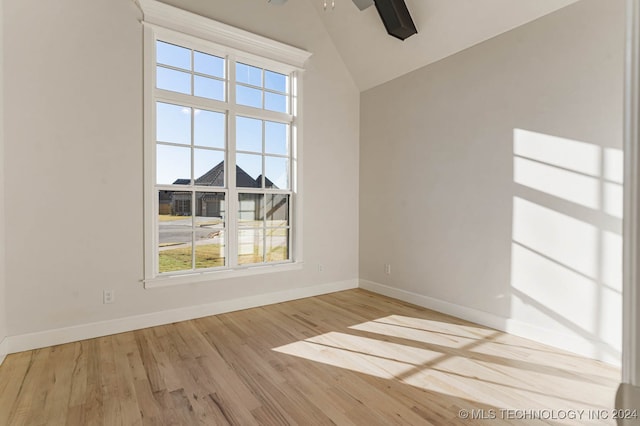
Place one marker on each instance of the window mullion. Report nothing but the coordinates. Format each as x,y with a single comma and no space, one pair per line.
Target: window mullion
193,230
193,182
291,170
290,227
193,79
232,203
264,228
263,181
262,89
264,185
189,101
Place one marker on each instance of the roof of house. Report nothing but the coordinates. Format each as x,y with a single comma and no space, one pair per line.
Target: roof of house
215,177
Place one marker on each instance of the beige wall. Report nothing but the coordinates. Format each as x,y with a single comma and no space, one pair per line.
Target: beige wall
491,180
3,305
74,150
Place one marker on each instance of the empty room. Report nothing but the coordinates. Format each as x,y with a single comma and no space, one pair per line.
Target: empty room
319,212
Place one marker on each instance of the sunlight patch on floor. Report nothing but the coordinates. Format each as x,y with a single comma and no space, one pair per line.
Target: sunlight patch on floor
458,360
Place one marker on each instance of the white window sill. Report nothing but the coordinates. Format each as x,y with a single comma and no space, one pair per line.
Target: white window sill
197,277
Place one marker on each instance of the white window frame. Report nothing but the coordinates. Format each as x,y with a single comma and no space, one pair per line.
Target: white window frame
170,24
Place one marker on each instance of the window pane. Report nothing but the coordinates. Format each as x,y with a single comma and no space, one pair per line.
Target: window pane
275,81
173,123
210,213
175,256
208,64
250,246
176,81
248,134
210,251
248,96
174,230
250,210
248,74
173,165
208,167
276,172
175,56
174,209
277,210
209,229
275,138
275,102
208,88
277,244
248,171
208,128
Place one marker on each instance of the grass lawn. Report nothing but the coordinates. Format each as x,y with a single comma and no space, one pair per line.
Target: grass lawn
199,221
212,255
168,217
179,259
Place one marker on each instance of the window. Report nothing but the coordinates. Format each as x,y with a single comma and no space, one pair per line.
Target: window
222,190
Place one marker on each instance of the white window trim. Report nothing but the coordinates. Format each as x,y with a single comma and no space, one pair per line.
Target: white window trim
195,30
170,17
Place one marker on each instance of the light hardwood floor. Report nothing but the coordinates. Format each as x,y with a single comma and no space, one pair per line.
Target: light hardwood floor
348,358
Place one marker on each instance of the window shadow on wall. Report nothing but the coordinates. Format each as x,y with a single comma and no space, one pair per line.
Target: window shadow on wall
566,250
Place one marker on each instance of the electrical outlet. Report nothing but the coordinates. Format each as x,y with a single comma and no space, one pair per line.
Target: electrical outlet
387,268
320,267
108,296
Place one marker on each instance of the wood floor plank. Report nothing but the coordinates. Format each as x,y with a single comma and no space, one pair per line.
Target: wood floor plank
91,410
58,396
346,358
78,384
32,394
112,409
12,383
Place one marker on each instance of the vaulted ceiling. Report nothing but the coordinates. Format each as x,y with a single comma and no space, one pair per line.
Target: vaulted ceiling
444,28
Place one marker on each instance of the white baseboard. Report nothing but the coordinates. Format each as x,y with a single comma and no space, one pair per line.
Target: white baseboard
24,342
579,345
4,349
469,314
588,348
